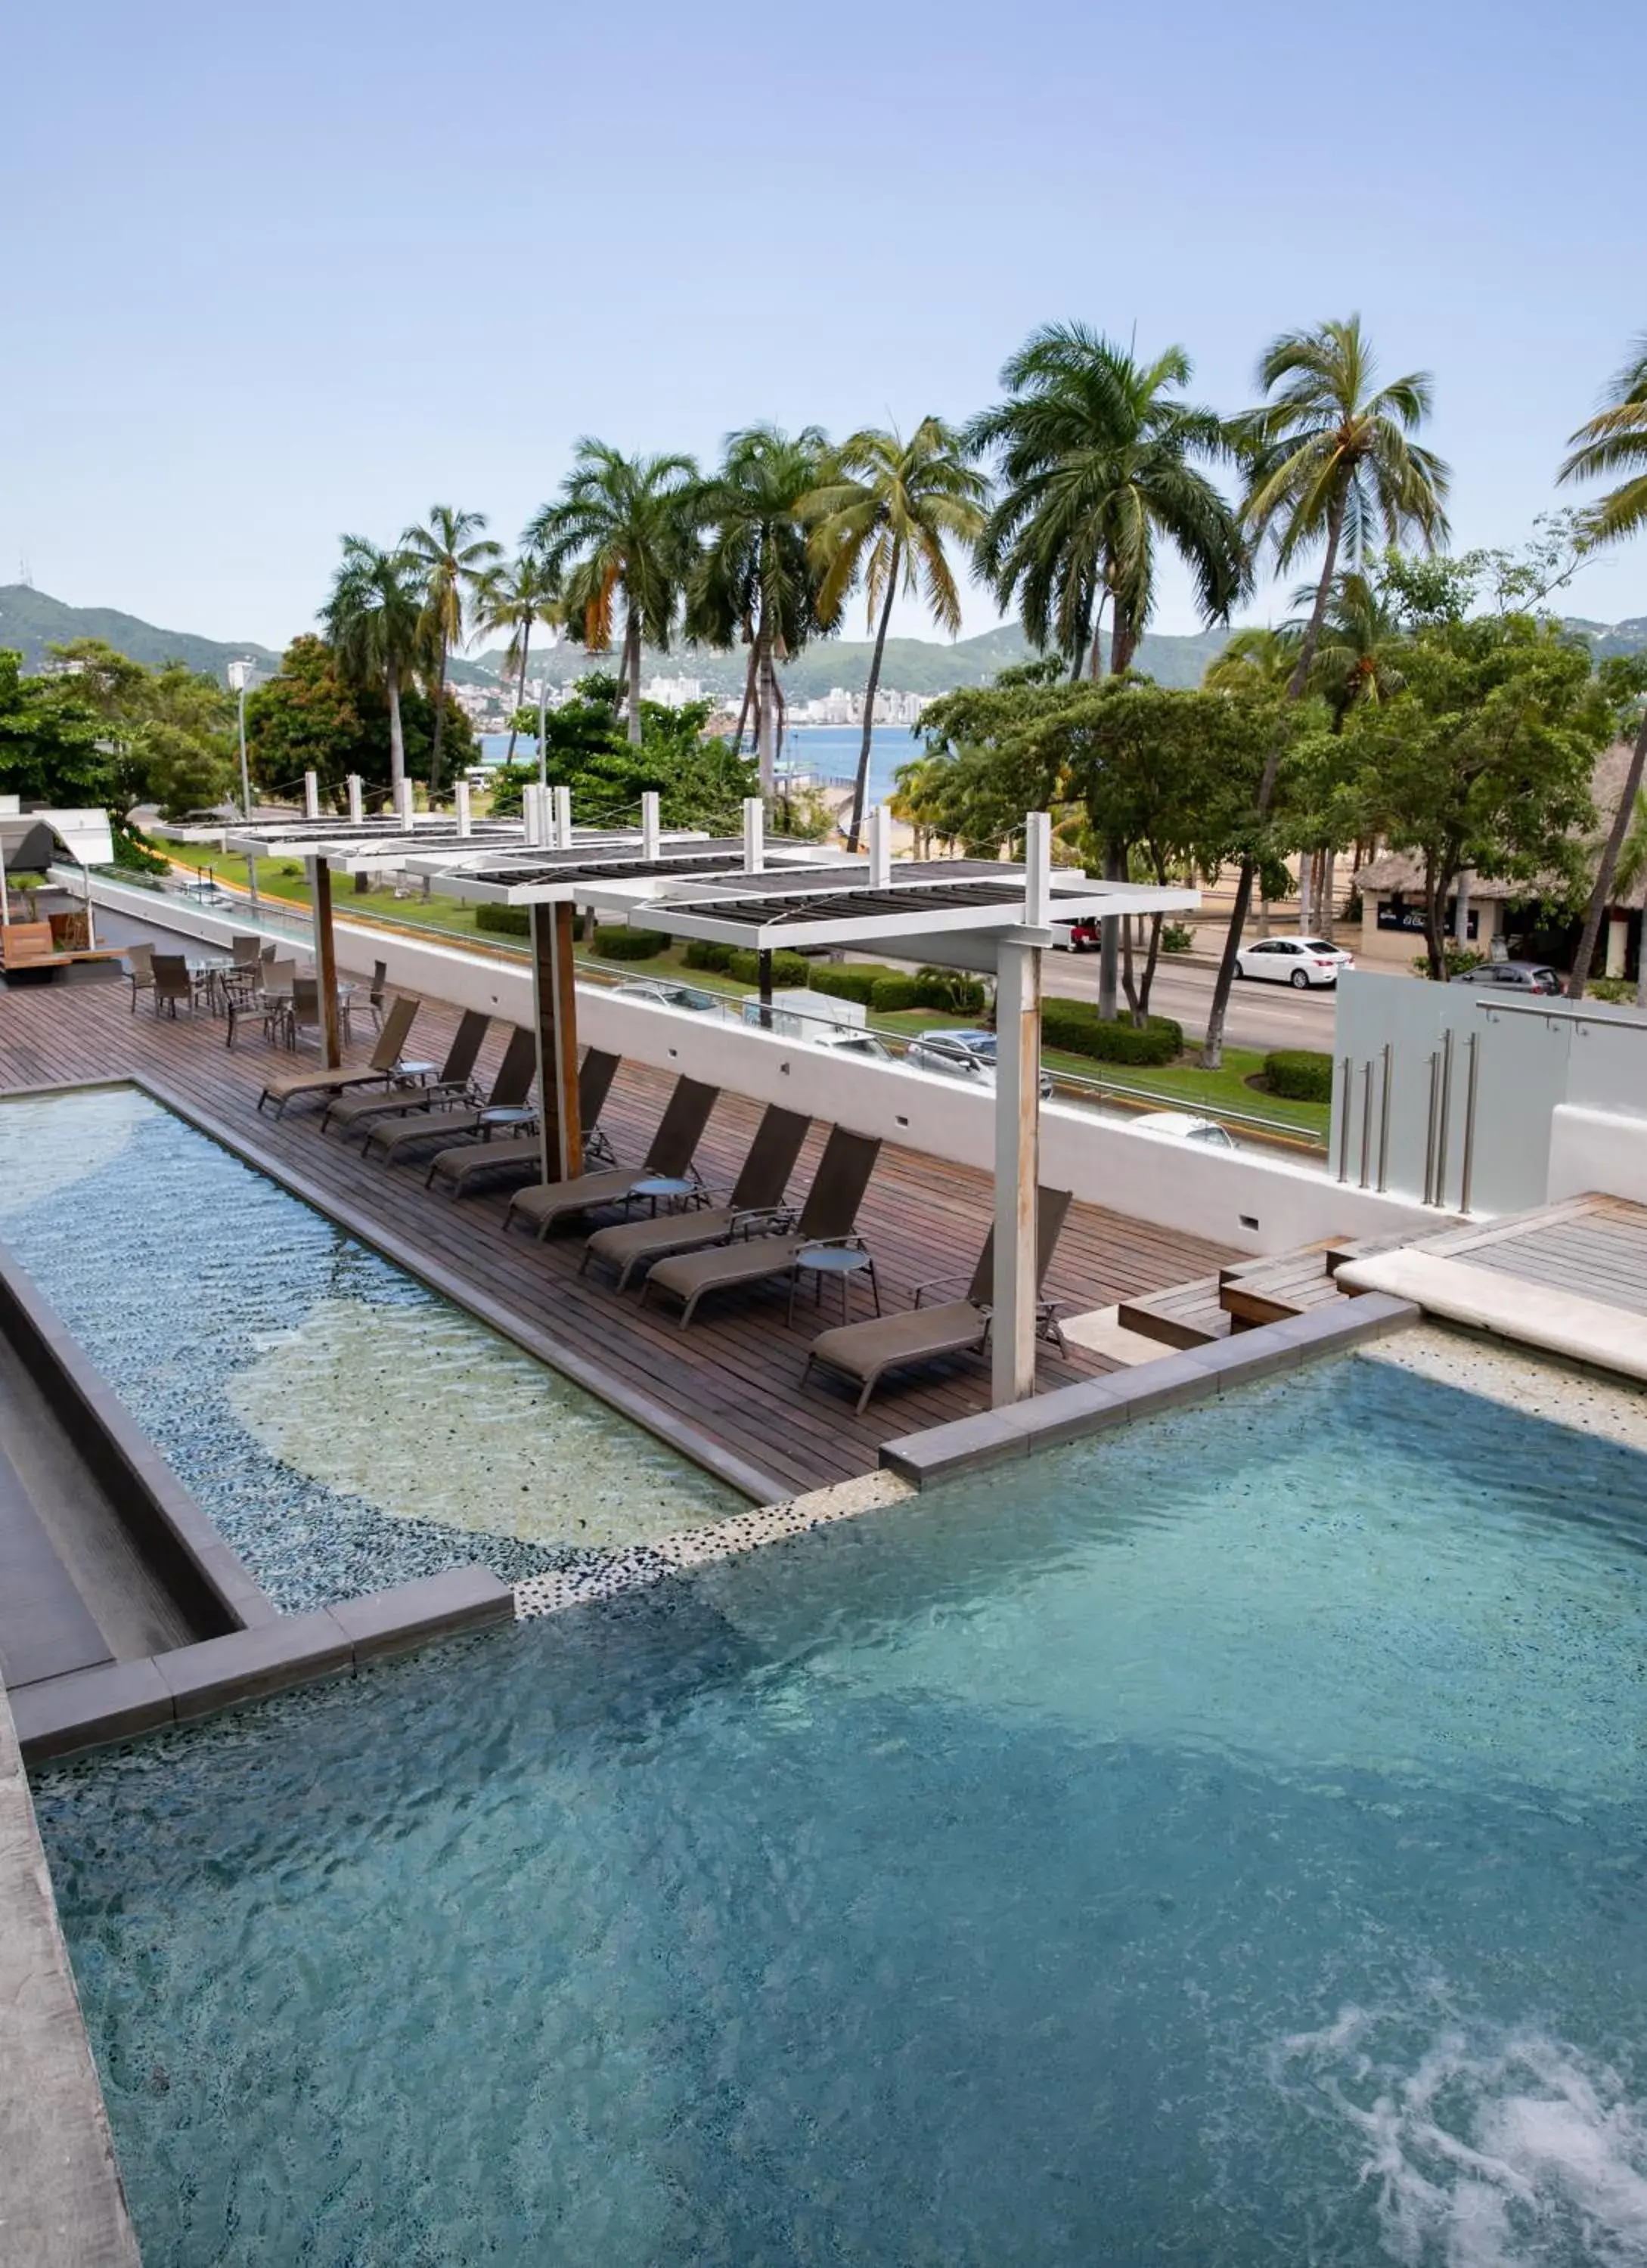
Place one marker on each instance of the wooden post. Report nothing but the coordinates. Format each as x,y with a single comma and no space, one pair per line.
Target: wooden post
555,1004
764,985
1017,1170
325,960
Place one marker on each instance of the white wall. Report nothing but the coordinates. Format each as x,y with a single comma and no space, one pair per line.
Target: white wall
1596,1150
1252,1203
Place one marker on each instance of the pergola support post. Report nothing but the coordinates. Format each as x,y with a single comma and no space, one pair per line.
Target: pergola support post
325,960
555,1013
1017,1170
311,795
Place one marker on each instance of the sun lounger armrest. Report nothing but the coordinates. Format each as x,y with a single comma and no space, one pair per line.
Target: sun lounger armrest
938,1284
764,1221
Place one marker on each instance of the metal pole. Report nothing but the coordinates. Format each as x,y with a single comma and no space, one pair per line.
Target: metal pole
1430,1131
1473,1044
1343,1128
1446,1116
543,742
1383,1125
1366,1124
246,807
1017,1171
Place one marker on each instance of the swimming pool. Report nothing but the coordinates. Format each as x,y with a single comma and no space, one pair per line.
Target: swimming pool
1221,1843
344,1427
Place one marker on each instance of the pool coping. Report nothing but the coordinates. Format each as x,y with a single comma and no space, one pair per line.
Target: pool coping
675,1432
1074,1413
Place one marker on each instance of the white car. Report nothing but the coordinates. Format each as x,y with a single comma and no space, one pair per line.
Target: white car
1299,961
1183,1126
850,1039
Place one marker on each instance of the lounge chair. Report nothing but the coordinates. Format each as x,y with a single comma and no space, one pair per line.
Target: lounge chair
754,1203
379,1068
478,1161
668,1155
864,1352
449,1086
828,1217
510,1088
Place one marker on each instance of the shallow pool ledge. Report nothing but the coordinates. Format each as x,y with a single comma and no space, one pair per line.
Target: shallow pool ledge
1070,1413
1509,1306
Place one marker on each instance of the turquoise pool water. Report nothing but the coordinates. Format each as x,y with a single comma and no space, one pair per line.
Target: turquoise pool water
1224,1845
344,1426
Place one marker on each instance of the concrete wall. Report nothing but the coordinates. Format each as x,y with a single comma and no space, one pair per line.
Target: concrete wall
1253,1204
1596,1150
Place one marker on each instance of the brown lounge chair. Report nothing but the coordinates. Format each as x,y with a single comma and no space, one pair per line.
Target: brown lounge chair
864,1352
757,1195
379,1070
668,1154
478,1161
450,1085
397,1138
828,1217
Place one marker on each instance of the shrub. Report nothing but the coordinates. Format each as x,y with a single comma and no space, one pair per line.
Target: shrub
292,868
890,994
849,980
505,921
1077,1027
1618,991
1458,961
1300,1074
949,990
790,970
702,954
1176,938
615,943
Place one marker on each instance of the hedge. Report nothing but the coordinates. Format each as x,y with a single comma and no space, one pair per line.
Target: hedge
1300,1074
889,994
702,954
848,980
506,921
1077,1027
615,943
790,970
949,990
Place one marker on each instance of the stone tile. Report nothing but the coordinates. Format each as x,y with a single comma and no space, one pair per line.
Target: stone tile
1164,1385
294,1650
969,1444
1236,1361
434,1606
1073,1412
90,1709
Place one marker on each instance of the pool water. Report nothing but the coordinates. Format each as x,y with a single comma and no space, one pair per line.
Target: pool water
344,1426
1224,1845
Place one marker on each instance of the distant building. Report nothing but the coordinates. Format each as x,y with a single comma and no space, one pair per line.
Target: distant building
673,692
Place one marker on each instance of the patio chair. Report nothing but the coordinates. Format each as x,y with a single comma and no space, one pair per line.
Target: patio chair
755,1203
523,1154
274,1002
380,1069
510,1088
828,1215
375,997
172,984
668,1155
864,1352
450,1085
140,971
246,951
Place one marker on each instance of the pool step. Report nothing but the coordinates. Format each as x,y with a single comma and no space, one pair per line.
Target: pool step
1188,1315
1243,1295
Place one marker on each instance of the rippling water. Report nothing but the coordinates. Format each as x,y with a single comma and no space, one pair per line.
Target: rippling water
1223,1846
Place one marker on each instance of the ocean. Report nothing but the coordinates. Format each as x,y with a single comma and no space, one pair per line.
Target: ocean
828,749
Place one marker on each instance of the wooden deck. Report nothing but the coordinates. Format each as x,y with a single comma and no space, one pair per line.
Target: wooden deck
1593,1246
736,1375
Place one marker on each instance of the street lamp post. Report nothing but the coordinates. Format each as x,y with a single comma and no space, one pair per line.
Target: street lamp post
240,675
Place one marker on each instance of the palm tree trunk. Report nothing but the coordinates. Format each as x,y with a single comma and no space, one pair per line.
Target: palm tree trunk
1608,866
766,710
1213,1050
748,698
860,785
440,719
632,672
1151,962
397,738
520,691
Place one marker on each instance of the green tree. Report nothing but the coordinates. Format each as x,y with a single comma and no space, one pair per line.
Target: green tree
52,749
1615,440
1331,461
1099,463
621,530
316,716
886,512
511,600
699,782
374,622
168,732
1484,758
450,557
755,582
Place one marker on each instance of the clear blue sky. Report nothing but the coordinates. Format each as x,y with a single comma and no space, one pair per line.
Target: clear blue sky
273,273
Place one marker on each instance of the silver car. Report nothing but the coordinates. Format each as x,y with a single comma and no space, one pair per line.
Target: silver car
967,1055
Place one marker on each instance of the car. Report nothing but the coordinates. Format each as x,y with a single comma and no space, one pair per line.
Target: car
663,993
1514,976
962,1054
1085,936
1299,961
1184,1126
850,1040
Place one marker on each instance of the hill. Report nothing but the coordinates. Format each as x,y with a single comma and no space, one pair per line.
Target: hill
30,621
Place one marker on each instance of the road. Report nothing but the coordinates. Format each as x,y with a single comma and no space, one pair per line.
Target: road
1260,1015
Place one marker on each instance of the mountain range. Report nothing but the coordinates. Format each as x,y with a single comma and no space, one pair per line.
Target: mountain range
30,621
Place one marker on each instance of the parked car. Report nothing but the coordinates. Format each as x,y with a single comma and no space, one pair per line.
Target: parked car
1077,935
850,1040
962,1054
664,993
1184,1126
1299,961
1514,976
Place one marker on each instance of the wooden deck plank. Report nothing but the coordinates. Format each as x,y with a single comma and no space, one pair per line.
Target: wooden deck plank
736,1373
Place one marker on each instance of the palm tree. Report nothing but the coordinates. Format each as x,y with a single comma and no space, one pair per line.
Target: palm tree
452,557
374,620
1627,878
511,599
1330,460
756,583
1096,456
885,511
621,527
1614,440
1253,658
